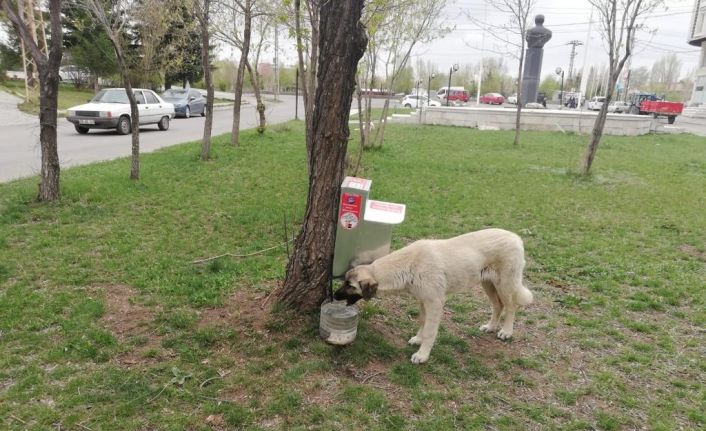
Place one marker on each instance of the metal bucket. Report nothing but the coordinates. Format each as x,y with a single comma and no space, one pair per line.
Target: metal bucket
338,323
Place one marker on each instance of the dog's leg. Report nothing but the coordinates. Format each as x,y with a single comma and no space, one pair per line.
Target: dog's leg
417,339
493,324
505,293
434,310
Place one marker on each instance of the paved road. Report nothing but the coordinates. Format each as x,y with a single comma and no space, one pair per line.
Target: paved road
19,135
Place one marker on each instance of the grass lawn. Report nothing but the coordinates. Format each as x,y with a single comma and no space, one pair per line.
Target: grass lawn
105,323
68,96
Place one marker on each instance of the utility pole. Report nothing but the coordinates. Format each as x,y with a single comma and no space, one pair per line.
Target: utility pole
276,62
482,45
574,43
584,73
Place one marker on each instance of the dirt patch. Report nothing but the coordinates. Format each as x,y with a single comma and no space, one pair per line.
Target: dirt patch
693,252
244,309
132,324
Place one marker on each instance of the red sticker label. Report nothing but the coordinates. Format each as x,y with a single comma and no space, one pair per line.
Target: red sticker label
349,214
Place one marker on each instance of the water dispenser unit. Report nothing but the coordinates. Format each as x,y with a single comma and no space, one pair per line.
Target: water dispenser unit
363,234
364,228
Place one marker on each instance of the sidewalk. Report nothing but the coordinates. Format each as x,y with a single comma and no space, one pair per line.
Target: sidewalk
10,114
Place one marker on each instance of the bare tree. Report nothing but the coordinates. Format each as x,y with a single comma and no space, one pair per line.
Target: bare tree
619,20
665,73
303,24
114,16
511,36
202,10
47,62
234,26
263,24
397,26
342,43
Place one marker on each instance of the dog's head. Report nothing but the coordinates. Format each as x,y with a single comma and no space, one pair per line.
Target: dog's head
359,284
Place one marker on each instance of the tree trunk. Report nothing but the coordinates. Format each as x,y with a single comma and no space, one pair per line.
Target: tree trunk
258,97
342,43
48,68
519,95
135,124
48,100
206,61
597,131
235,132
134,111
311,74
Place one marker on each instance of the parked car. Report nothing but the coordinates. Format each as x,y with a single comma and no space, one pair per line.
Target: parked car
535,105
441,92
512,99
74,74
596,103
456,97
492,98
618,107
187,102
413,101
110,108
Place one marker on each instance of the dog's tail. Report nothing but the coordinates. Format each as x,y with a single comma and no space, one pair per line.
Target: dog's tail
524,296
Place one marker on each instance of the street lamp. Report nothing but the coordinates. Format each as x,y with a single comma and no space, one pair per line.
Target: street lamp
417,93
448,89
560,71
432,76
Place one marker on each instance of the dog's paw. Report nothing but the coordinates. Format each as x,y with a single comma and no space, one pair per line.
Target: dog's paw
414,341
504,335
488,328
419,358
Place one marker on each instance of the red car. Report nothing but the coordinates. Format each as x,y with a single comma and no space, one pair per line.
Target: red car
457,97
492,99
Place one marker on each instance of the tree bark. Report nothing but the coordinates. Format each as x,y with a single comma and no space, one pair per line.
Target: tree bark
519,95
206,62
597,131
342,43
235,131
48,68
48,103
258,97
134,111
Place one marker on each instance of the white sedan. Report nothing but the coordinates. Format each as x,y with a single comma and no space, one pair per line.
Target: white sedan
618,107
412,101
110,109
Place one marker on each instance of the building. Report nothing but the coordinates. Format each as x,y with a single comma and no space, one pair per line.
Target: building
697,37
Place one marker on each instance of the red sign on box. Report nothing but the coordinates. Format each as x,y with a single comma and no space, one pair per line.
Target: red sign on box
349,215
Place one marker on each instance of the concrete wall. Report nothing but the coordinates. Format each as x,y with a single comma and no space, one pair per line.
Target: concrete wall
536,119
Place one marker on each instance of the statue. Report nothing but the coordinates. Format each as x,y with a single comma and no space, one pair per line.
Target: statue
538,35
536,38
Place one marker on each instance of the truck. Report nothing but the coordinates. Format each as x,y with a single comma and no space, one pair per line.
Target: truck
649,103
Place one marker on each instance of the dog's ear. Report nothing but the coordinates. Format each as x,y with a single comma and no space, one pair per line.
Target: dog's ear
369,288
351,273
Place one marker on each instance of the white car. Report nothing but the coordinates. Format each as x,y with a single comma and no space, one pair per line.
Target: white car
512,99
618,107
596,103
110,109
412,101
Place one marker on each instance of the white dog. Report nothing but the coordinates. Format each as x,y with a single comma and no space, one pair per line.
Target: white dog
431,269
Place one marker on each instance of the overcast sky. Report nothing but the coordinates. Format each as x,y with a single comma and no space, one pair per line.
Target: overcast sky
568,20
